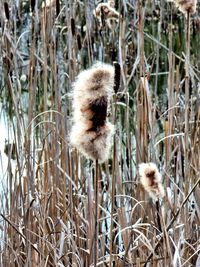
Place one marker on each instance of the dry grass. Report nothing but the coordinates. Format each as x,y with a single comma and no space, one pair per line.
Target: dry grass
48,190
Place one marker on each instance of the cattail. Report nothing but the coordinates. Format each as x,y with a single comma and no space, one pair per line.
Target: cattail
186,6
73,27
6,9
111,3
78,38
91,132
106,12
150,178
57,7
32,5
48,3
117,76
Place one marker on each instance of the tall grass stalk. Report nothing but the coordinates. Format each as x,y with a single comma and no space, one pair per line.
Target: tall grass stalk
96,212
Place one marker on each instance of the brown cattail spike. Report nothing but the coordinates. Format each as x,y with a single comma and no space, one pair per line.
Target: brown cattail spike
91,132
73,28
57,7
6,9
117,76
78,38
32,5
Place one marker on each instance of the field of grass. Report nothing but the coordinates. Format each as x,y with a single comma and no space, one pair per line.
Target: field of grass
47,190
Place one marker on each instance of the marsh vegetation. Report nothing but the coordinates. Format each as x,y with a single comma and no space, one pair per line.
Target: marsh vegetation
47,187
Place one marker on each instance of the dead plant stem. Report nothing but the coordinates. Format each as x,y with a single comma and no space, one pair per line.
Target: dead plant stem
96,229
173,220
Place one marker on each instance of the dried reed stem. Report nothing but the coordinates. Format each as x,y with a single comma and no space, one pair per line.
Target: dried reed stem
187,79
96,229
21,234
172,220
116,88
113,192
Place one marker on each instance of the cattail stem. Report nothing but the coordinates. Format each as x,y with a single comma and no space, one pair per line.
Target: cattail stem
113,192
96,229
187,65
158,216
116,88
186,169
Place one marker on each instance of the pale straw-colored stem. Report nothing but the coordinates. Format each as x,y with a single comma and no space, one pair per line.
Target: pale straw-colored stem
96,228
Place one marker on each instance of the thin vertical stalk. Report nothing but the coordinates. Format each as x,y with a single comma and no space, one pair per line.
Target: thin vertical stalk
141,107
117,79
113,191
88,11
44,38
170,94
186,134
141,111
96,229
187,64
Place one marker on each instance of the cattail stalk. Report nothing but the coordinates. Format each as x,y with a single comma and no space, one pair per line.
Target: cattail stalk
187,66
91,132
116,88
96,228
113,192
186,134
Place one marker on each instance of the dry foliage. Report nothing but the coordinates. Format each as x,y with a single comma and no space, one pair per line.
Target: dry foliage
47,191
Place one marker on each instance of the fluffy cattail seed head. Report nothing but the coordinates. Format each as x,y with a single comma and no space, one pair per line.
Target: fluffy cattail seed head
150,178
91,132
185,5
111,3
92,144
105,12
